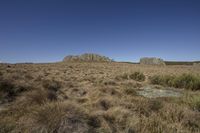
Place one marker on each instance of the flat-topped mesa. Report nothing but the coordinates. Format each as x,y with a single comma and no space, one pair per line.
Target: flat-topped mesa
88,57
152,61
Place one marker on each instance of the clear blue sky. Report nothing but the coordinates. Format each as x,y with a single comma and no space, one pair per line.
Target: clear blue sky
125,30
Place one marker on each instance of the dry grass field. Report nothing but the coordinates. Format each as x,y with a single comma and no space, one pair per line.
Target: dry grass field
92,97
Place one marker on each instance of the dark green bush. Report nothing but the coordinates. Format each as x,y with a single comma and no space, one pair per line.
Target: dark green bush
162,80
110,82
138,76
1,73
156,79
187,81
7,87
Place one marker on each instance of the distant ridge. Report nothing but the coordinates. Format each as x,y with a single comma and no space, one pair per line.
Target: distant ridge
181,62
88,57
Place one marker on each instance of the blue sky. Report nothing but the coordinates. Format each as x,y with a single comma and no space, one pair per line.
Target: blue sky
124,30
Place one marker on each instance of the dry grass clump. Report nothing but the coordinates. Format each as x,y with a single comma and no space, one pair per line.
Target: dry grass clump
40,96
104,103
9,90
192,100
51,85
195,103
137,76
187,81
180,118
58,117
130,90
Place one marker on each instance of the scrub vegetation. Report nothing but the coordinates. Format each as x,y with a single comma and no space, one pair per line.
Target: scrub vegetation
187,81
97,97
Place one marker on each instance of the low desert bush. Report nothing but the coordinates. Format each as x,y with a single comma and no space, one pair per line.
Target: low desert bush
155,105
51,85
8,89
146,107
57,117
173,114
104,103
7,125
40,96
1,73
186,81
118,117
124,76
193,101
110,82
130,91
137,76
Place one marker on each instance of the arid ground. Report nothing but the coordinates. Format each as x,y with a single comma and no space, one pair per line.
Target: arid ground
96,97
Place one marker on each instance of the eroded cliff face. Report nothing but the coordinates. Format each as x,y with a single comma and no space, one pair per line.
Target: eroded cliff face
152,61
87,57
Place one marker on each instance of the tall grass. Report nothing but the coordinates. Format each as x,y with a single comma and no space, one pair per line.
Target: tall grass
187,81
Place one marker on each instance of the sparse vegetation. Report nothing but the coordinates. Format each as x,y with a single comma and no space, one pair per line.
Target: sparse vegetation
187,81
96,98
137,76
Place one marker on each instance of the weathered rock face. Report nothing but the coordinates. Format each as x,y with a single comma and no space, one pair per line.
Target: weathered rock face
87,57
152,61
196,64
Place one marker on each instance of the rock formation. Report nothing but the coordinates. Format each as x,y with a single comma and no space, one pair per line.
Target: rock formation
152,61
196,64
87,57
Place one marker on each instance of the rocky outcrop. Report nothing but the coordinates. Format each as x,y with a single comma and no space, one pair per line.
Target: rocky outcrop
87,57
152,61
196,64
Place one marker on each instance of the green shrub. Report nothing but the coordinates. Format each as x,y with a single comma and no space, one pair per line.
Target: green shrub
187,81
194,102
138,76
